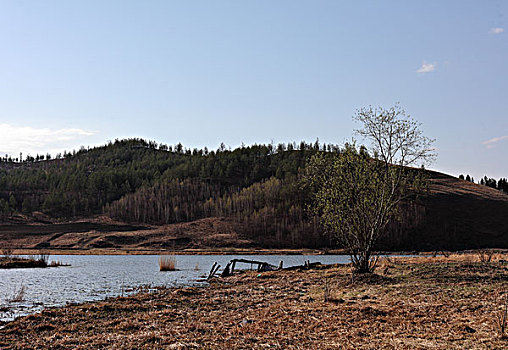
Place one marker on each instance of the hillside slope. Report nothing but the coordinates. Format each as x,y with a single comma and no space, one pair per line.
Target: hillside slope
455,215
462,215
136,194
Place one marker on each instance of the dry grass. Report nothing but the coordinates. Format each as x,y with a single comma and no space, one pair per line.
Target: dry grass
449,257
425,304
7,252
502,318
57,263
20,262
167,263
32,261
485,255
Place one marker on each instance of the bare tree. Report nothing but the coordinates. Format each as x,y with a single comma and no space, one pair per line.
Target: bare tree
358,192
395,138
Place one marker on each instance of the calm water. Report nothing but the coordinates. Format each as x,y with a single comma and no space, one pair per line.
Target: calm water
95,277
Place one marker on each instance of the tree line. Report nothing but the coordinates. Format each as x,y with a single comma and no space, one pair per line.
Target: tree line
83,183
501,184
271,211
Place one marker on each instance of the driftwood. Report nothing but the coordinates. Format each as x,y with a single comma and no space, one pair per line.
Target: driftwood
226,271
262,266
306,266
213,270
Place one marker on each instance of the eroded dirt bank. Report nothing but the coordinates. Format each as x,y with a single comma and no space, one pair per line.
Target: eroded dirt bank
438,303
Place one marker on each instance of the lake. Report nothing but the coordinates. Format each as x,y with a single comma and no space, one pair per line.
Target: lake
96,277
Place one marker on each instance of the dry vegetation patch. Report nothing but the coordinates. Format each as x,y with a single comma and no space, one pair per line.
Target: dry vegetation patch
427,304
167,263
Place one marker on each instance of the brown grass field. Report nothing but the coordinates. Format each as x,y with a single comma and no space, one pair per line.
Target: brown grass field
454,302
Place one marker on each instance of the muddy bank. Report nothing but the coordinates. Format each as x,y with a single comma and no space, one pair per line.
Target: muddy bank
444,303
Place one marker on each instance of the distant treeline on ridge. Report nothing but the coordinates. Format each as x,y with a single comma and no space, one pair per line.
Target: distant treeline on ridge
139,181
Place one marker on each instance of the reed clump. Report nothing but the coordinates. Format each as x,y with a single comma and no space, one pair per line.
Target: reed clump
57,263
167,263
32,261
22,262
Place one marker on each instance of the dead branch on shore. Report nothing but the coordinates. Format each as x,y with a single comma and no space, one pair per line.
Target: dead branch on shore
213,270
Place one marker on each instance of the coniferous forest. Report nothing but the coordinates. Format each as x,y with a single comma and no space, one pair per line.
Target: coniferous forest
139,181
257,187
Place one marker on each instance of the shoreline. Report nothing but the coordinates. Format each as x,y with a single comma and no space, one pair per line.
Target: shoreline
232,251
436,302
126,251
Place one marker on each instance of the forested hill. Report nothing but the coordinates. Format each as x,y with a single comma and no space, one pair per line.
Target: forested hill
85,182
140,181
255,188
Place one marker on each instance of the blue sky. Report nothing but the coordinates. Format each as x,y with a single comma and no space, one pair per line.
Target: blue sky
204,72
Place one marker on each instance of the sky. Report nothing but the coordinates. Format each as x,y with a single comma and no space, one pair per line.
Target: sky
80,73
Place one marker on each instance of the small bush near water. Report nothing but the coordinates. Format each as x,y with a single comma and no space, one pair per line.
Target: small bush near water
42,260
19,262
167,263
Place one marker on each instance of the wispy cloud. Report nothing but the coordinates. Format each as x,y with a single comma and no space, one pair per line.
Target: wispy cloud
492,142
497,30
426,67
29,140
